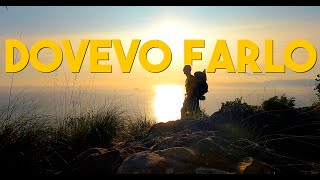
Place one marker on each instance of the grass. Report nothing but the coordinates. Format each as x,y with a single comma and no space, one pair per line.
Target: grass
138,126
33,143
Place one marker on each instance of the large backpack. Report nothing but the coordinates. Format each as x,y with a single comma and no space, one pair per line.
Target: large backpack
201,79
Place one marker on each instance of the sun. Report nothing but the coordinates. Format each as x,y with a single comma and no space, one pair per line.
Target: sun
173,34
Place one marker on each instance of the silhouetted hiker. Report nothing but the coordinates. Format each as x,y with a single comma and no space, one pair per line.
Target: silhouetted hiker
191,100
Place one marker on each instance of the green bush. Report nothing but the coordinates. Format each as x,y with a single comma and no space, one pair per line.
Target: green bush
238,108
276,103
240,119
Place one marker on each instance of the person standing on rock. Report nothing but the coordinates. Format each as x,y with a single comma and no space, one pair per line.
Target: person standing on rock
191,100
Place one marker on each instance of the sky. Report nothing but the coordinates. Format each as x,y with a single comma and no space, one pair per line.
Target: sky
170,24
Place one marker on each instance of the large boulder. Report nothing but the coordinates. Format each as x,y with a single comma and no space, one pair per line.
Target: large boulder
129,148
216,152
143,163
97,161
177,160
180,160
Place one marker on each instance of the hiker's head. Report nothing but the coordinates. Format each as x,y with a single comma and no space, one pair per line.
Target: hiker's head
187,70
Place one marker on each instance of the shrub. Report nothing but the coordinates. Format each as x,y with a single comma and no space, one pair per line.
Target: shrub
276,103
240,119
238,108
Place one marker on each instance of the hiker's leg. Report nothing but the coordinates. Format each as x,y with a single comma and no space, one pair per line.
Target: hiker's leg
193,105
183,112
197,105
195,108
184,109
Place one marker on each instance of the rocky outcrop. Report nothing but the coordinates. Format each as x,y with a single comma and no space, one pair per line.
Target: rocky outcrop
95,161
176,160
182,147
143,163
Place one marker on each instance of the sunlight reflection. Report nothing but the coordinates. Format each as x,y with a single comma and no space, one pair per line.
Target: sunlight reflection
168,101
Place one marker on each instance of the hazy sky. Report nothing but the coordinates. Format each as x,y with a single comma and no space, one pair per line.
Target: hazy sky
169,24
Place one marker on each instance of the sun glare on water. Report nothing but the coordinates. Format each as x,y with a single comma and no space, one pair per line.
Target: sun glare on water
167,102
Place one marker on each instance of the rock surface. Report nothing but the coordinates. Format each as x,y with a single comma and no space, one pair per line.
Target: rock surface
182,147
96,161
